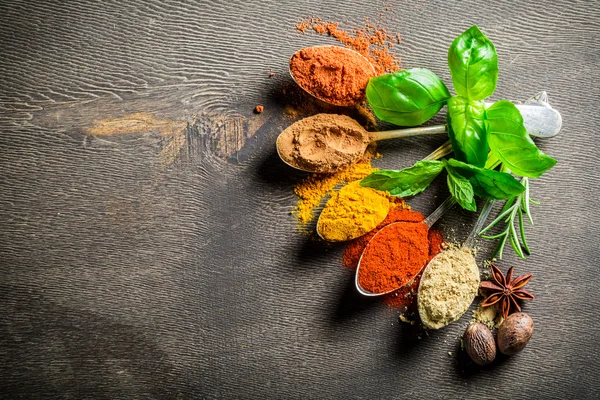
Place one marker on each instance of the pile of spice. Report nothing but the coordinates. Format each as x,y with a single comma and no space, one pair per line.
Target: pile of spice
403,298
393,257
448,286
314,188
333,74
323,143
351,212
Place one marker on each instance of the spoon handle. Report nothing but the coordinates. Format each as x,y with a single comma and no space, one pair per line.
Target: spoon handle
441,210
408,132
485,212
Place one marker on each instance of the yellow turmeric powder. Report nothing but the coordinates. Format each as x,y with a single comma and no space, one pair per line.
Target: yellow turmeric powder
316,186
351,212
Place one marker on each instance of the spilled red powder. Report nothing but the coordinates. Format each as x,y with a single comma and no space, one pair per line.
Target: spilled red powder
403,298
373,42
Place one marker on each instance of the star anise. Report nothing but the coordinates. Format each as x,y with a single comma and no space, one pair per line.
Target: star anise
506,289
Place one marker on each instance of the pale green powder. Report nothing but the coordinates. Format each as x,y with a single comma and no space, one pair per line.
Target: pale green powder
448,286
489,316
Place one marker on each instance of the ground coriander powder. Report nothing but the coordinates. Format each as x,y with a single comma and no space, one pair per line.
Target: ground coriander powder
448,286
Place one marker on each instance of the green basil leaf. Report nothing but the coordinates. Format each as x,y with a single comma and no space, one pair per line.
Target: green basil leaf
488,183
510,142
461,189
406,182
408,98
473,64
466,130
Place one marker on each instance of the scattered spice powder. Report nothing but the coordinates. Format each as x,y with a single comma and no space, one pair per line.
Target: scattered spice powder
333,74
315,187
489,316
373,42
403,298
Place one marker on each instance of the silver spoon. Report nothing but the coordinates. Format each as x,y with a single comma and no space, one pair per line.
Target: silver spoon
539,118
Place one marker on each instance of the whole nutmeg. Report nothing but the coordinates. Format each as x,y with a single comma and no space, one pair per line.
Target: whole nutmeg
479,343
514,333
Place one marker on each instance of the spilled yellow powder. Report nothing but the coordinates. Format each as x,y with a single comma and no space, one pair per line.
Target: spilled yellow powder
311,190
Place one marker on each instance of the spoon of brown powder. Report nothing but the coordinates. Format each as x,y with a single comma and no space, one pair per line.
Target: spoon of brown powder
327,142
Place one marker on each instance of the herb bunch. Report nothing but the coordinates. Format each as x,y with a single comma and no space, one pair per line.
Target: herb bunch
478,134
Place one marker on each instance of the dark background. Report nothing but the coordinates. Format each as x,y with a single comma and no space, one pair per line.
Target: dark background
164,263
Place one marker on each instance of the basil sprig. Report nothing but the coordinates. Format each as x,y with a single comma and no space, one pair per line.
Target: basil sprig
408,97
464,181
411,97
473,65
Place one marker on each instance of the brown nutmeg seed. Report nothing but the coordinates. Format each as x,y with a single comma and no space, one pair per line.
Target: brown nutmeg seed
479,343
514,333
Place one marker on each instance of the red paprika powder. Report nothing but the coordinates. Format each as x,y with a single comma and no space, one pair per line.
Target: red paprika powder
394,257
331,73
403,297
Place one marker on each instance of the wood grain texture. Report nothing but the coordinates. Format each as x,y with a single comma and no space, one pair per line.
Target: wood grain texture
149,265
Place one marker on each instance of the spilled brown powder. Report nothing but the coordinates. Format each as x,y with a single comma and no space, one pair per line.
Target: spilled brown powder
323,143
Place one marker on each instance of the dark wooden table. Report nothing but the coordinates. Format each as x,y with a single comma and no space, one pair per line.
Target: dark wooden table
146,244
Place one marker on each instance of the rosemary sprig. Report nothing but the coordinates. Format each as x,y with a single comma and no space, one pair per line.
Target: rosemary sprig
513,209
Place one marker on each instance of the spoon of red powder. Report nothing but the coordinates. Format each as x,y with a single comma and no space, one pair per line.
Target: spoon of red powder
396,254
333,74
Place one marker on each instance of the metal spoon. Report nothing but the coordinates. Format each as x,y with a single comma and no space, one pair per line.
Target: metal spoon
374,136
539,118
339,48
429,222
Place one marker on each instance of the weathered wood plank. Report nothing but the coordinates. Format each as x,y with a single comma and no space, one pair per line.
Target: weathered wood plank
146,246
